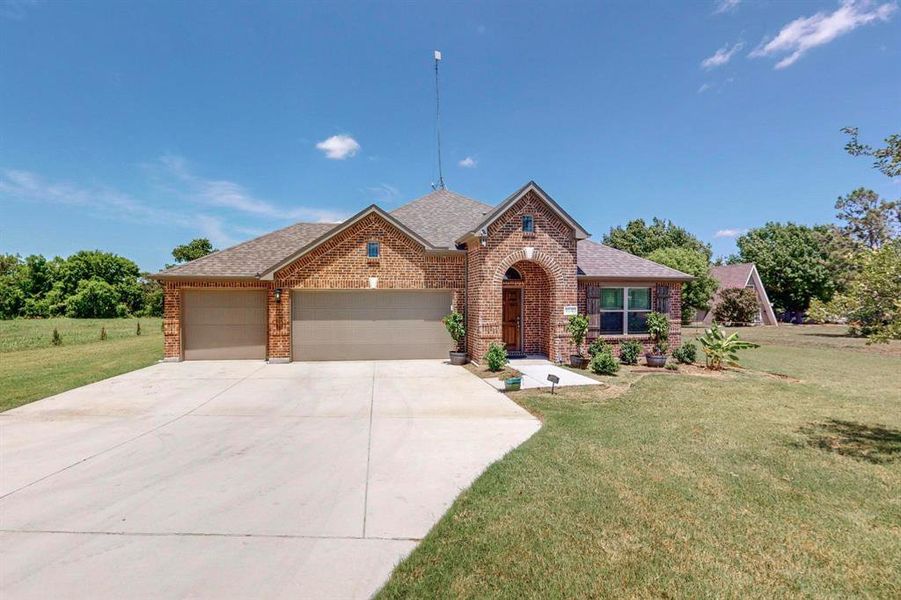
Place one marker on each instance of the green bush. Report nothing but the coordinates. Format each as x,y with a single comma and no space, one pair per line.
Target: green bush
455,327
57,339
629,351
737,305
721,349
598,346
603,363
658,330
578,329
138,329
95,299
671,366
687,353
496,357
103,335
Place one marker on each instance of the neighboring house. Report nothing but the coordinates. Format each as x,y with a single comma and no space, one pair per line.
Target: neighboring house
739,276
378,284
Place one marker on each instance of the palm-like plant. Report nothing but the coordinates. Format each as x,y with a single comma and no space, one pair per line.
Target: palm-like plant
721,349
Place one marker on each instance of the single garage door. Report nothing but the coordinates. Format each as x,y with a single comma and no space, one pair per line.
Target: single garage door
370,324
224,324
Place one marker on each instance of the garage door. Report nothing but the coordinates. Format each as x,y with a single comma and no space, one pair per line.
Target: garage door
224,324
370,325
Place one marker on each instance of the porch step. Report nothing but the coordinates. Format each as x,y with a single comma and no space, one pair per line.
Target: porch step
516,354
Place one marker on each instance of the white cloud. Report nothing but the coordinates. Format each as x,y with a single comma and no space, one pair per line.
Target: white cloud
705,87
468,162
721,56
724,6
729,233
339,147
805,33
383,192
178,178
16,9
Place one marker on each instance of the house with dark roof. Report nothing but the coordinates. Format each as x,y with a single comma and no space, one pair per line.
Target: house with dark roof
378,284
742,275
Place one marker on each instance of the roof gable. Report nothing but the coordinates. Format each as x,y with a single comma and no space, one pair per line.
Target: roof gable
732,276
269,272
501,208
442,216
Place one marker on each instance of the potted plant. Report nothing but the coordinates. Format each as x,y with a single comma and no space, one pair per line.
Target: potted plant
457,330
578,329
658,330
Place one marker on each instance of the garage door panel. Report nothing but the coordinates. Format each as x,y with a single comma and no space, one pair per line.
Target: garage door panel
224,325
367,325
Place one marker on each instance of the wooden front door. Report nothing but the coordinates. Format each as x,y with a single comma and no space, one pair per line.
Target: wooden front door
512,319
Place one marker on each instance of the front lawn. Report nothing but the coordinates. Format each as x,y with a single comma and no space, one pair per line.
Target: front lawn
782,481
32,368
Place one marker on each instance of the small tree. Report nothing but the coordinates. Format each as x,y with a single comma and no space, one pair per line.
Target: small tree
578,329
658,330
455,327
737,305
102,334
138,329
57,339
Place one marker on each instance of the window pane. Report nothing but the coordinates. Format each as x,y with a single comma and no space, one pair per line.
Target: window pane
528,224
640,298
638,322
372,249
611,298
612,323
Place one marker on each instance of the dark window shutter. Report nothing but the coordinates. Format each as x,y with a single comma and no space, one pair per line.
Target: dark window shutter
663,299
593,308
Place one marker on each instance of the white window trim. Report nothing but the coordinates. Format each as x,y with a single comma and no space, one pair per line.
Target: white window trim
625,310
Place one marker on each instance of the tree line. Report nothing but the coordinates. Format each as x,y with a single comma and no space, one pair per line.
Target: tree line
87,284
849,272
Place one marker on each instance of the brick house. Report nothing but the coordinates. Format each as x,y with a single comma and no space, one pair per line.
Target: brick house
378,284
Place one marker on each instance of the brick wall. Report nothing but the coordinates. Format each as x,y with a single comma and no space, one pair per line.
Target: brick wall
553,253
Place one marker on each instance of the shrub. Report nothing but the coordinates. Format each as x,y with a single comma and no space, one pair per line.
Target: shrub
57,339
737,305
658,330
598,346
629,351
687,353
721,349
95,299
103,334
578,329
834,311
496,357
671,366
138,329
455,327
603,363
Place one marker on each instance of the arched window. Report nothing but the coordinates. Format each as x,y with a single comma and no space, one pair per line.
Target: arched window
512,275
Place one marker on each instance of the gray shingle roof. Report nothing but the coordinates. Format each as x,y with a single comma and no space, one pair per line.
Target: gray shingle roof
442,216
253,256
598,260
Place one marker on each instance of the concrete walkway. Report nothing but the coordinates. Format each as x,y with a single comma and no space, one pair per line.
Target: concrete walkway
535,371
240,479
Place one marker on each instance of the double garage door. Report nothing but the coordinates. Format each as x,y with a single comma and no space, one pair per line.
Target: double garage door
369,325
326,325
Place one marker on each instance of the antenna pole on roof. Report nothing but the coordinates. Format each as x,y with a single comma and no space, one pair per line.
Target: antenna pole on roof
440,185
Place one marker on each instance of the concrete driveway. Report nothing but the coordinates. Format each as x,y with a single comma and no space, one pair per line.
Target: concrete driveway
240,479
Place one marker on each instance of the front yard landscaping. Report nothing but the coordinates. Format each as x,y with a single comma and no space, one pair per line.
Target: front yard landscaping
781,479
31,367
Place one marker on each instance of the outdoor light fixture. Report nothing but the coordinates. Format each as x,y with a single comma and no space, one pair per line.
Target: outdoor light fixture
278,295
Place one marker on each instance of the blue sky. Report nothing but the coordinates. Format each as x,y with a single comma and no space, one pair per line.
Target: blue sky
136,126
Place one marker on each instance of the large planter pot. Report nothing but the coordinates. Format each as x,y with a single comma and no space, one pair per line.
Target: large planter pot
655,360
577,361
458,358
512,384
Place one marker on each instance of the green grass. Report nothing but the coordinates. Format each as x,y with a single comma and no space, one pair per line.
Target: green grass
744,485
32,368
